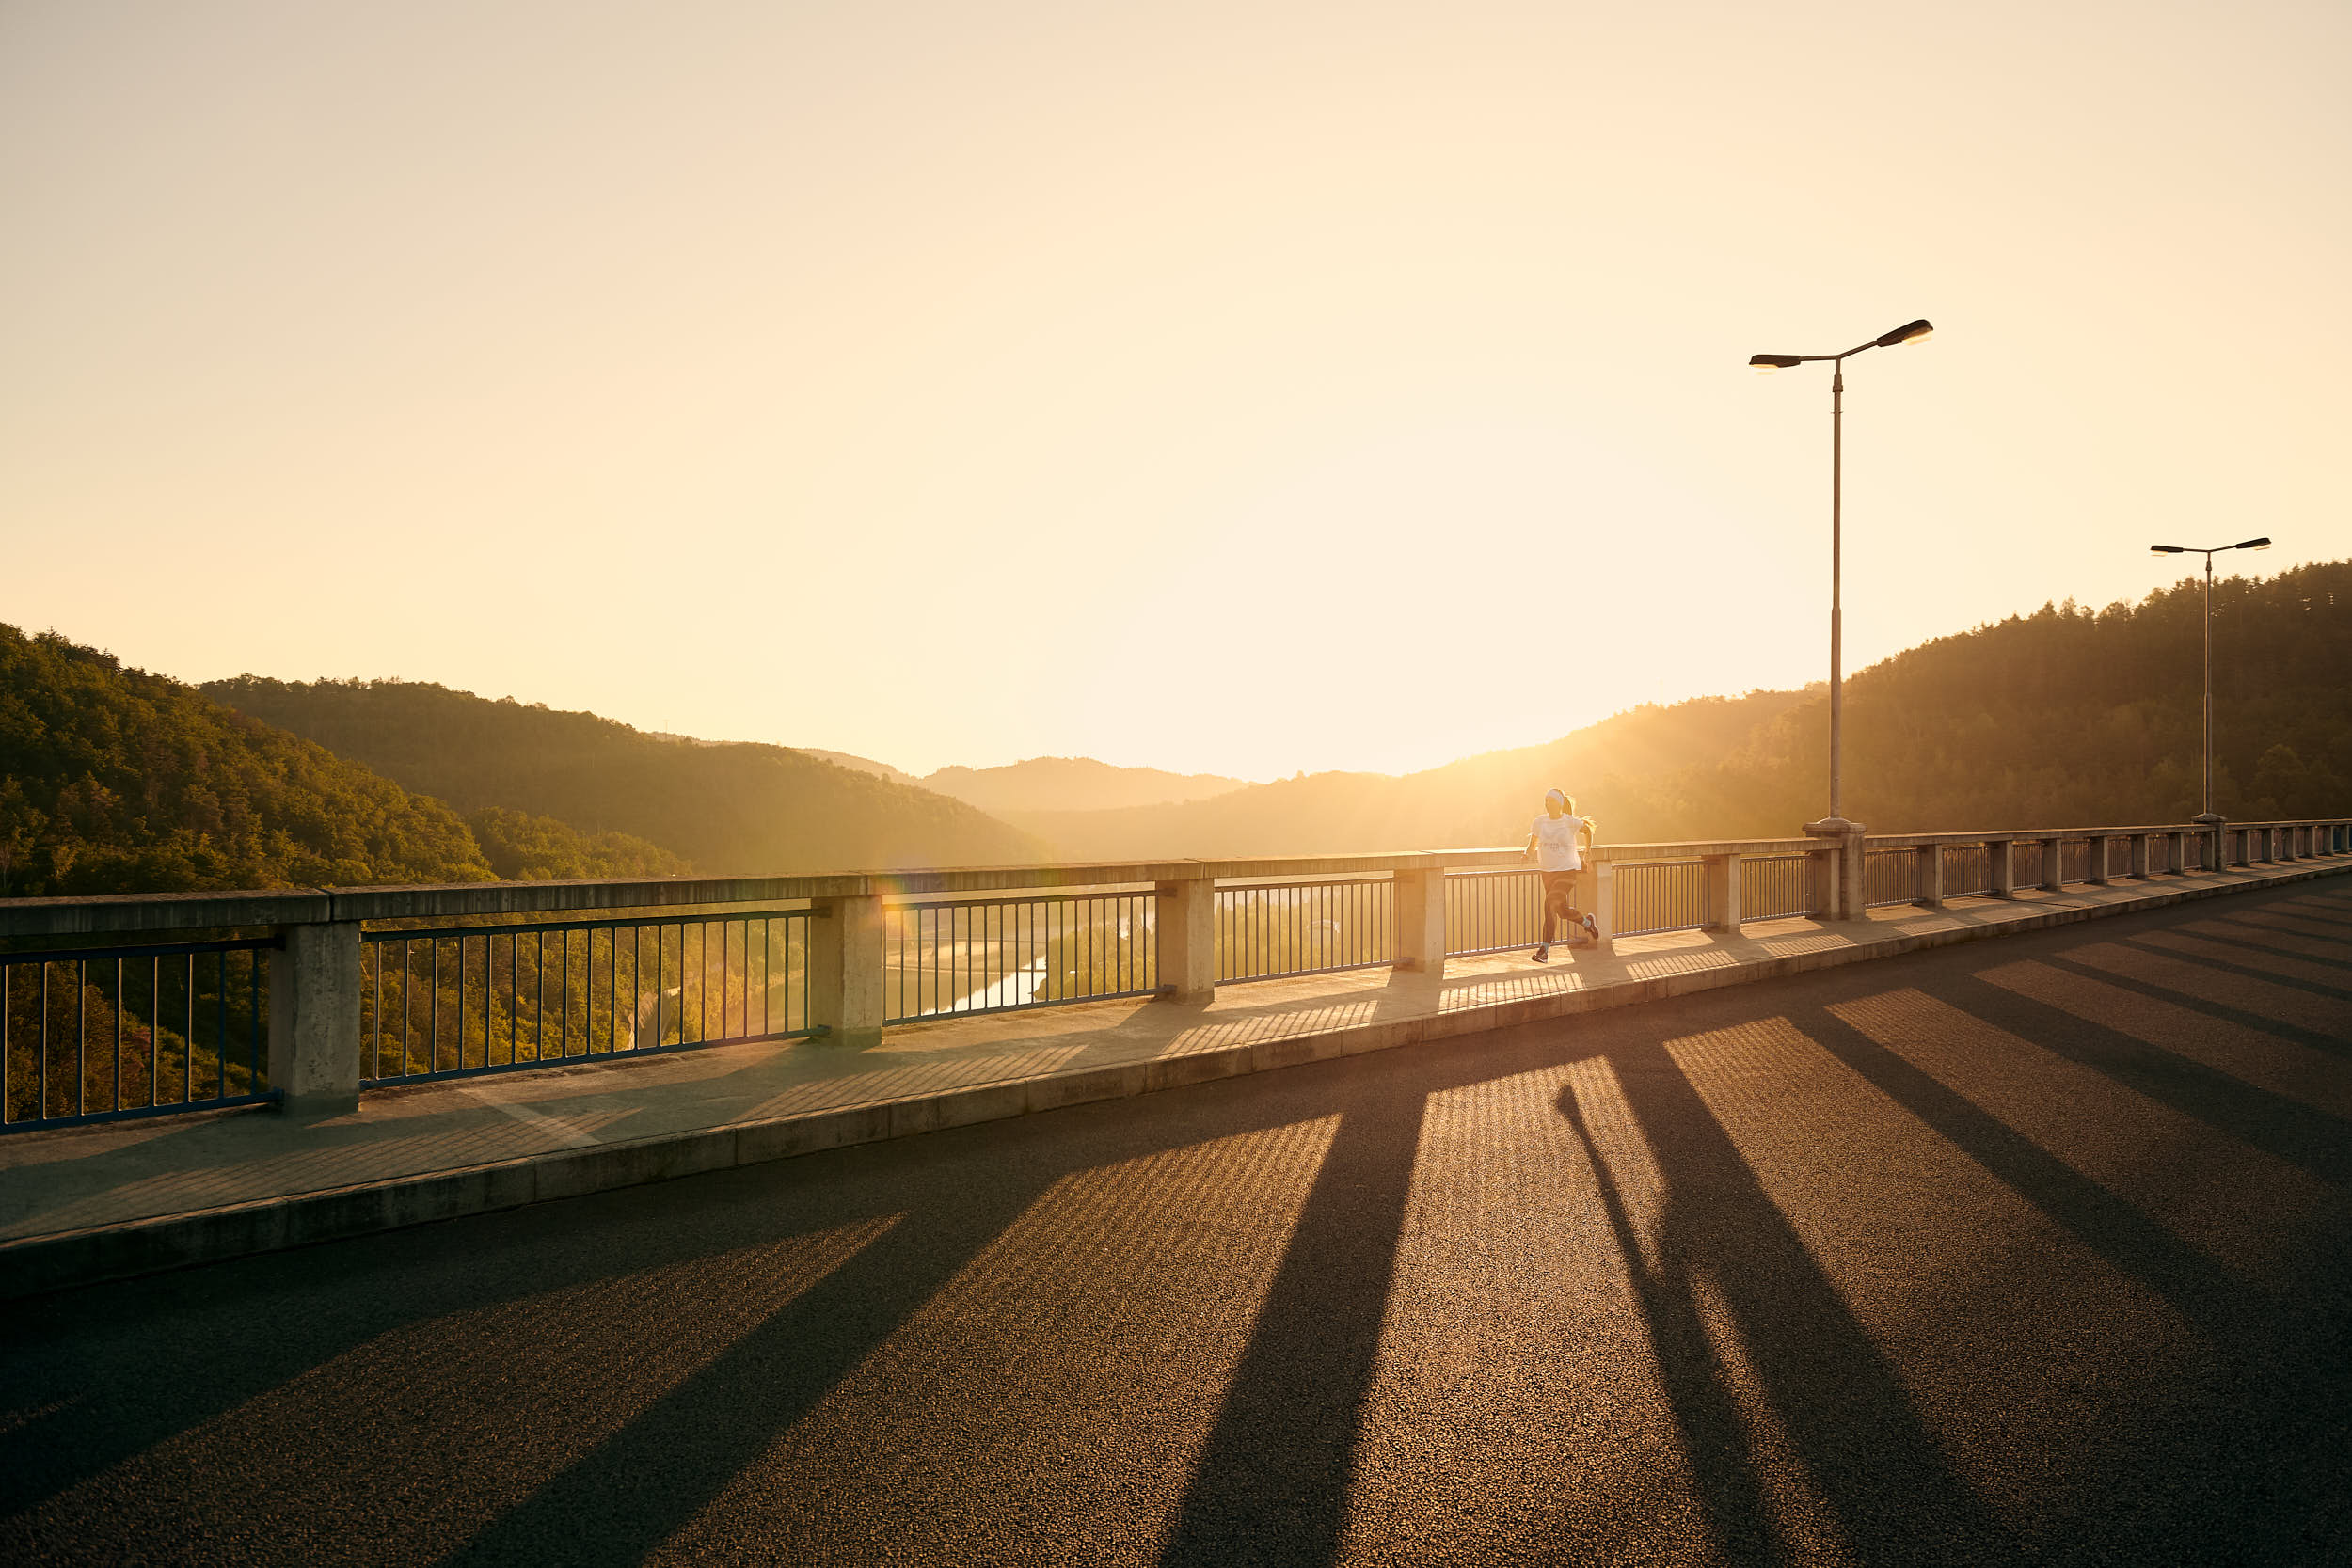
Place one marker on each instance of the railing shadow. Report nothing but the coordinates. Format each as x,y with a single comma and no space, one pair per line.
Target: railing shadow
1271,1483
1841,1401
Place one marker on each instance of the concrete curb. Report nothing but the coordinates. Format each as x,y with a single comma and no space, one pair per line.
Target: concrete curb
35,1265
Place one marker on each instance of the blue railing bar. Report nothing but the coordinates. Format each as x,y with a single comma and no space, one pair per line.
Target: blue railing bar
949,1012
422,933
75,955
582,1058
167,1108
987,903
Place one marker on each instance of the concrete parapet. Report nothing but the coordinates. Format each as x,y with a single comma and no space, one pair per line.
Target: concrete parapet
315,1018
1417,915
1603,875
845,970
1184,923
1722,893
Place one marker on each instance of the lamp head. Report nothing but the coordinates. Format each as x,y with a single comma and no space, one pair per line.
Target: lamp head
1765,364
2168,550
2262,544
1910,332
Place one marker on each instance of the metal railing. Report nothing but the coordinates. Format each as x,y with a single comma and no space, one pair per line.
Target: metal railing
1967,869
1890,876
1267,930
502,977
1492,911
446,1002
951,956
1776,887
96,1033
1655,896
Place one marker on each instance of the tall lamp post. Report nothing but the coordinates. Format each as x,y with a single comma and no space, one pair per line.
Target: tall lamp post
2208,817
1835,825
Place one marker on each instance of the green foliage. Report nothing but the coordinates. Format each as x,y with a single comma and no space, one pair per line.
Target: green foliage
728,809
2073,717
526,848
2062,718
116,781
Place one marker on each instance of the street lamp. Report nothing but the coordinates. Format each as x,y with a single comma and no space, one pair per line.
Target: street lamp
2208,553
1835,825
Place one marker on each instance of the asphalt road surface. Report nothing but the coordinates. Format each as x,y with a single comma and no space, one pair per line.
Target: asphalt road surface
2024,1251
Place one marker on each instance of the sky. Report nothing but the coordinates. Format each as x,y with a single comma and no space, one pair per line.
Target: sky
1236,387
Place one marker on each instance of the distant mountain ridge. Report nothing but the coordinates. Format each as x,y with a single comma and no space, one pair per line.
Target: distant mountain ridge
735,809
1049,784
1482,800
1074,784
118,781
2066,717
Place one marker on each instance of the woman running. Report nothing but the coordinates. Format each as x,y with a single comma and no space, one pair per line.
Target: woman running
1554,845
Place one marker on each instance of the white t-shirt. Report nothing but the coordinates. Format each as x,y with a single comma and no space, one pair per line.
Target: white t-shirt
1555,843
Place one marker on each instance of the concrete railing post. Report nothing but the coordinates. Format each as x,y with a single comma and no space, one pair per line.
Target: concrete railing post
2211,844
1931,876
1604,905
2139,871
1417,906
1186,924
2000,869
1722,893
2053,865
1853,890
2096,870
845,970
2176,852
315,1018
1823,864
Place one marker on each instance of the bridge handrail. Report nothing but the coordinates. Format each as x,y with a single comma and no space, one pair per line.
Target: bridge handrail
442,980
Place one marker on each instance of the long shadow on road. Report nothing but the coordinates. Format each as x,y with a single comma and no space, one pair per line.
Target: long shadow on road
1841,1399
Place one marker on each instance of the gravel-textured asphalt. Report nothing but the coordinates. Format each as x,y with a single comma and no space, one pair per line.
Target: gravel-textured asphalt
2024,1251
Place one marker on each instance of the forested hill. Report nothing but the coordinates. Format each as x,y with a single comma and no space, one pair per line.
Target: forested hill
741,809
2062,718
1615,767
1073,784
116,781
2070,716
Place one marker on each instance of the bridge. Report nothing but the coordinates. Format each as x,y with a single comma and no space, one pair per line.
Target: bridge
1963,1198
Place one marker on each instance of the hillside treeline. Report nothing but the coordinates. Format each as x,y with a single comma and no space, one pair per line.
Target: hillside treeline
1616,767
118,781
2073,716
750,810
2064,717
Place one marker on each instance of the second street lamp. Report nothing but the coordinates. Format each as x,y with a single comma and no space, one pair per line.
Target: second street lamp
1849,900
2209,551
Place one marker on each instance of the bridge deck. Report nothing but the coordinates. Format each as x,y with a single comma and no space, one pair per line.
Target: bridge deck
126,1198
2032,1250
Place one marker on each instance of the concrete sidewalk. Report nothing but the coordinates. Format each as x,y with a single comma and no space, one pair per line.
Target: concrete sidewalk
83,1204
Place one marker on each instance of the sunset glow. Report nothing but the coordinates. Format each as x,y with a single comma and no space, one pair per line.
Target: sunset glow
1223,388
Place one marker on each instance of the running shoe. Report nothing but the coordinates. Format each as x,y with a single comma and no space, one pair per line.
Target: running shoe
1541,955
